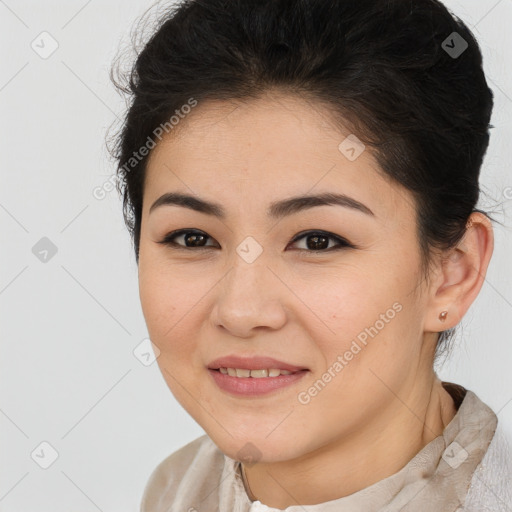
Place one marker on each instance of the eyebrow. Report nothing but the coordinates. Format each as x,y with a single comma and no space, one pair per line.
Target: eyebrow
276,210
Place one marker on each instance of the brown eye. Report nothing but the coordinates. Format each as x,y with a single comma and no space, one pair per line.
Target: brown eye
191,238
318,241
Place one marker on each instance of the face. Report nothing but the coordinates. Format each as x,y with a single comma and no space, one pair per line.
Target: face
331,289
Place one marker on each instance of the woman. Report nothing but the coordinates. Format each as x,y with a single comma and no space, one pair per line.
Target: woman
300,181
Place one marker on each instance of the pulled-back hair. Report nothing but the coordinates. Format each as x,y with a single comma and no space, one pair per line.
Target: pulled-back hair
388,70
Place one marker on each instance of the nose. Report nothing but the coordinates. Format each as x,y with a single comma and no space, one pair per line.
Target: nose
249,299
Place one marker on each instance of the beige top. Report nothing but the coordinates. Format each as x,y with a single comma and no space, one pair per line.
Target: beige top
200,478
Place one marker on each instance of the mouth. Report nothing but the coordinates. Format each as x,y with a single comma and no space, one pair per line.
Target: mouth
253,363
252,376
244,373
254,385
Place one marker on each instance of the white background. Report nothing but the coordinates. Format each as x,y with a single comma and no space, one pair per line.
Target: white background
70,325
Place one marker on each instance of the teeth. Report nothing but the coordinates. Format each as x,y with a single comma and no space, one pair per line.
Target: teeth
256,374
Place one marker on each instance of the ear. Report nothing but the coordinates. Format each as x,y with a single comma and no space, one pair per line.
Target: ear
460,275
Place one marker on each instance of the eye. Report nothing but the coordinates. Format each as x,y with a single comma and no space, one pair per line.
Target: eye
193,237
316,241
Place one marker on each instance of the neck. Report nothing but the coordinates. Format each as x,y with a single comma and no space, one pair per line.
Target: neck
346,466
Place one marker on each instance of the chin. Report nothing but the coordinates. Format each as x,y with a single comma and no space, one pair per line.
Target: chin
256,447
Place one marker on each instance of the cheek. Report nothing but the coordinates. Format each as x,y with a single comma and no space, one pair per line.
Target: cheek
165,302
345,305
364,320
171,313
156,305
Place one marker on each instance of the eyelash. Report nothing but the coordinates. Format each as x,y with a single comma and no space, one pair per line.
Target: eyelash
343,244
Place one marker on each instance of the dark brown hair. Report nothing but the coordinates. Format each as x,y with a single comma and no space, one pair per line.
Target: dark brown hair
388,69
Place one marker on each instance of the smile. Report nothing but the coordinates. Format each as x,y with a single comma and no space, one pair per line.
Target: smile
256,374
245,382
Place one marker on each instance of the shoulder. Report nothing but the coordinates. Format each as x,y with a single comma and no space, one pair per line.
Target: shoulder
183,475
491,485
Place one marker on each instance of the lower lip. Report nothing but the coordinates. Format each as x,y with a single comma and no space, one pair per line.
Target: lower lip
250,386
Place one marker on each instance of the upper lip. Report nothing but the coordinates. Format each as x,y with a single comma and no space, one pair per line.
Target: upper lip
252,363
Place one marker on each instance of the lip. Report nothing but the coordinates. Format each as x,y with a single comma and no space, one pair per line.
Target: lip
252,363
250,386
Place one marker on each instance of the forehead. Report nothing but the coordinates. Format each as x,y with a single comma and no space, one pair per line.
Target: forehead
254,152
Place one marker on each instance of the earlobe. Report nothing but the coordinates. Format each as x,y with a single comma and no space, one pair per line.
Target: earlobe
461,275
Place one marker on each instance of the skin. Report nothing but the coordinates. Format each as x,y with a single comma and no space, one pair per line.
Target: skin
305,308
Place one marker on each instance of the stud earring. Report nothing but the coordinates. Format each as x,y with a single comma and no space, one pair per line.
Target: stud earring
443,315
